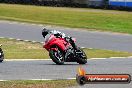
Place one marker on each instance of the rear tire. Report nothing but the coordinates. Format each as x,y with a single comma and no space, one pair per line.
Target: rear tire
1,61
82,60
2,58
55,59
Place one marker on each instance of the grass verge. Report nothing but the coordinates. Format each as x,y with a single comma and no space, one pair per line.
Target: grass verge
14,49
38,84
105,20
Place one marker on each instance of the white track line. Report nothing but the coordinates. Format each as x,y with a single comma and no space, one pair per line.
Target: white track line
11,38
117,57
54,79
97,58
44,79
25,59
129,57
50,59
45,59
3,80
1,37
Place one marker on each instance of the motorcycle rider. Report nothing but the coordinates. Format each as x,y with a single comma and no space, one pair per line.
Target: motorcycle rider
47,32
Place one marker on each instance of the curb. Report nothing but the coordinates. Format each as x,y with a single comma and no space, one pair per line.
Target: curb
22,23
22,40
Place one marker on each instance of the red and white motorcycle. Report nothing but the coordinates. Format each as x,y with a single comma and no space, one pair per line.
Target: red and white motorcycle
61,51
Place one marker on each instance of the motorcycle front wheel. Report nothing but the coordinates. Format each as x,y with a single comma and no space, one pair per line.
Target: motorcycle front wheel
57,56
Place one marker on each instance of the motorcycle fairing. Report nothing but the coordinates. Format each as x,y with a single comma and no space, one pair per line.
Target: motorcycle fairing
60,42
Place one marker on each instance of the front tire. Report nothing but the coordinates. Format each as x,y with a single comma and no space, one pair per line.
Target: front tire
57,57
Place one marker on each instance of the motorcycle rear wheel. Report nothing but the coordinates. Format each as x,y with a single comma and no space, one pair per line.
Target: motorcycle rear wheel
82,60
58,58
2,57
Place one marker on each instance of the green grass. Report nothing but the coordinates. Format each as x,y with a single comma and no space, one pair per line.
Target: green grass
22,50
99,53
38,84
105,20
14,49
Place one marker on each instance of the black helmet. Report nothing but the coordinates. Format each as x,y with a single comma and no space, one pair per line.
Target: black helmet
45,32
